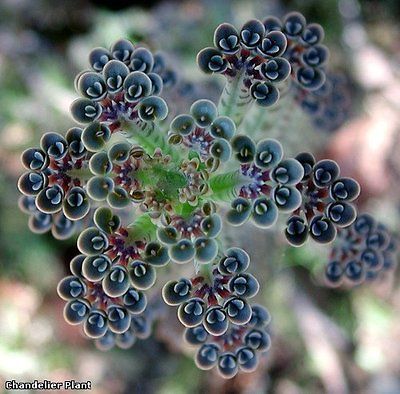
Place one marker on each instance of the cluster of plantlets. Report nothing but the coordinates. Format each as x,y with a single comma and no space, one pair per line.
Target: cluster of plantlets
328,106
363,251
144,190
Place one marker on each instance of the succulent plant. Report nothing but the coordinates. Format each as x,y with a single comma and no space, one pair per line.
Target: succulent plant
144,189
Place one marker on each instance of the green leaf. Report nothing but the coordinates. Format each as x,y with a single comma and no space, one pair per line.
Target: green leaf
224,186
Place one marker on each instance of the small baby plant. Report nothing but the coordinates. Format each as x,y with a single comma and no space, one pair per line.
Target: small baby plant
363,251
144,189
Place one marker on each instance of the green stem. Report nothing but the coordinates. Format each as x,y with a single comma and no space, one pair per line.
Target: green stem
235,99
261,122
205,270
255,121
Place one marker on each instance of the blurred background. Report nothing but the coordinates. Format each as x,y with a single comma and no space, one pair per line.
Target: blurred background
324,340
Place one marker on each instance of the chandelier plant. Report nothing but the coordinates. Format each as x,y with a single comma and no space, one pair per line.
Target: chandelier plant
148,192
